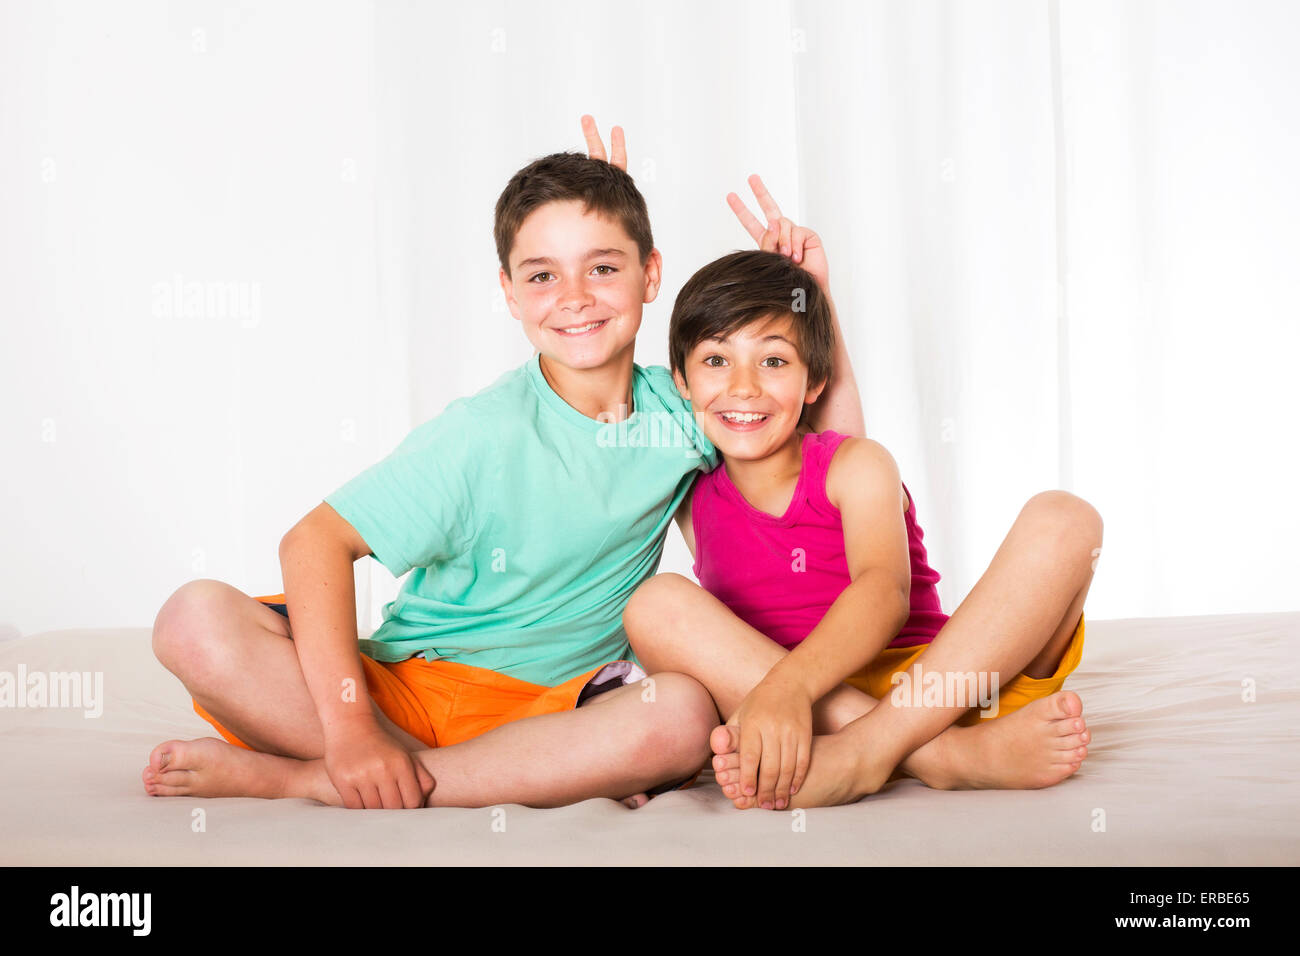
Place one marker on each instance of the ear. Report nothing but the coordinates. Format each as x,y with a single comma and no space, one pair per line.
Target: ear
654,265
815,392
680,382
508,288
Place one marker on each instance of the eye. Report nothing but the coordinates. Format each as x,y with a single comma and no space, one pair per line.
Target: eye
539,275
775,358
709,360
611,269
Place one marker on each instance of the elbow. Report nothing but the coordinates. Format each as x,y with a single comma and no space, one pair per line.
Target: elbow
289,543
900,599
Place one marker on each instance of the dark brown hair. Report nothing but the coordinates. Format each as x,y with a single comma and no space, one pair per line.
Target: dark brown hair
746,287
602,188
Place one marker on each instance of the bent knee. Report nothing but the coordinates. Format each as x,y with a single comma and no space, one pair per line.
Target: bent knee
190,622
676,735
1070,520
653,601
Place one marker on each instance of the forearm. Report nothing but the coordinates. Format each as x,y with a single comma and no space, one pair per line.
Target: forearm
839,408
866,616
321,599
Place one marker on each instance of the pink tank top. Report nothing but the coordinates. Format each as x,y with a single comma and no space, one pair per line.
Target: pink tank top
781,575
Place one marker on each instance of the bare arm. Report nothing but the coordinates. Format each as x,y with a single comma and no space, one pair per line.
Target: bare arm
316,559
366,765
839,407
775,718
863,482
684,522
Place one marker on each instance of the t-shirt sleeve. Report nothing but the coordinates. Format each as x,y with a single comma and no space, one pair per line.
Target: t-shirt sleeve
414,508
661,381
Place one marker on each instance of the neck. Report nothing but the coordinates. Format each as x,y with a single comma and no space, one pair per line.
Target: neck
603,393
758,479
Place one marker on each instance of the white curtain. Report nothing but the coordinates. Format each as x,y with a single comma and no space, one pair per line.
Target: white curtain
245,247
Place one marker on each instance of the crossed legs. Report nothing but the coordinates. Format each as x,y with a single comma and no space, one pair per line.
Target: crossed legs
236,658
1019,618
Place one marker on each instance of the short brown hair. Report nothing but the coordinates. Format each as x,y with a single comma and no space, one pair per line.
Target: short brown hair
746,287
602,188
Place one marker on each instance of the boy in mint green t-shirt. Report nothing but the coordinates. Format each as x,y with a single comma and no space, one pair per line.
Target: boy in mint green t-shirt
526,514
471,503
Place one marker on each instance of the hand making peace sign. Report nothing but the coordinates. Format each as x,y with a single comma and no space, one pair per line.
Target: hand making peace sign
798,243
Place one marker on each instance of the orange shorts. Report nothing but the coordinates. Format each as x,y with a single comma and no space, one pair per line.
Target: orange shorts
442,703
874,679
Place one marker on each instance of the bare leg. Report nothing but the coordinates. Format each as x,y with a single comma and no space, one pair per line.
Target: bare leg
623,743
1035,586
669,614
236,658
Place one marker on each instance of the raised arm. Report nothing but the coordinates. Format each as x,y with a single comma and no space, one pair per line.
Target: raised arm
840,406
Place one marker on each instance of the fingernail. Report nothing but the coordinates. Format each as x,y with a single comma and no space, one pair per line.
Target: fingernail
766,805
780,804
749,791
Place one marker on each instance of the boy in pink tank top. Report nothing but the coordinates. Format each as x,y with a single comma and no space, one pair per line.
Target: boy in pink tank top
816,625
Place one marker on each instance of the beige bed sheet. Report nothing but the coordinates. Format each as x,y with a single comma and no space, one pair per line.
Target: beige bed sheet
1184,770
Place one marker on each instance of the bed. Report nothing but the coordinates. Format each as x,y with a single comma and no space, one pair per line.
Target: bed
1194,760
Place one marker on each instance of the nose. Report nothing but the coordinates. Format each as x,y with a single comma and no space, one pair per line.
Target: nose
575,296
743,382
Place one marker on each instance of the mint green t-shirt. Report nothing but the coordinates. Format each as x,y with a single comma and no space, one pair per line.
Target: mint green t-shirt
526,525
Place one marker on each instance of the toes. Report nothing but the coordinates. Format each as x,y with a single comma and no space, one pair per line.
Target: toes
724,739
161,755
173,778
1068,703
727,761
636,801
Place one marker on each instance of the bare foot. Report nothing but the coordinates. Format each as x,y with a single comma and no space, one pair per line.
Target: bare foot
1037,746
209,767
725,744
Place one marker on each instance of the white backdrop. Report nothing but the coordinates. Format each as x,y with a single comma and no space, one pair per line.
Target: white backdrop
244,248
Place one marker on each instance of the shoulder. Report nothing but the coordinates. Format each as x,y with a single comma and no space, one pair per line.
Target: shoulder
658,381
862,469
473,425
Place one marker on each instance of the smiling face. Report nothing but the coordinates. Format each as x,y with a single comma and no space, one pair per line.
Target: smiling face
749,389
577,285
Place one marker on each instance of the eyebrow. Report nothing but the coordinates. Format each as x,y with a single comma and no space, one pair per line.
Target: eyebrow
766,338
591,254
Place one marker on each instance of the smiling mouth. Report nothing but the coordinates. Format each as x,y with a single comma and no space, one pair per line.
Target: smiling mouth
743,421
578,330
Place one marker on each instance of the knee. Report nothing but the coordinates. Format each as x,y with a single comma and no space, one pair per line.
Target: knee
188,626
675,739
652,604
1069,522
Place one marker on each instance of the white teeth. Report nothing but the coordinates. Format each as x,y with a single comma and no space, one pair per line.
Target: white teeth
745,417
578,331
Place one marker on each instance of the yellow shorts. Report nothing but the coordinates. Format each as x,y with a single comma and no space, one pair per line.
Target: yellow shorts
874,679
